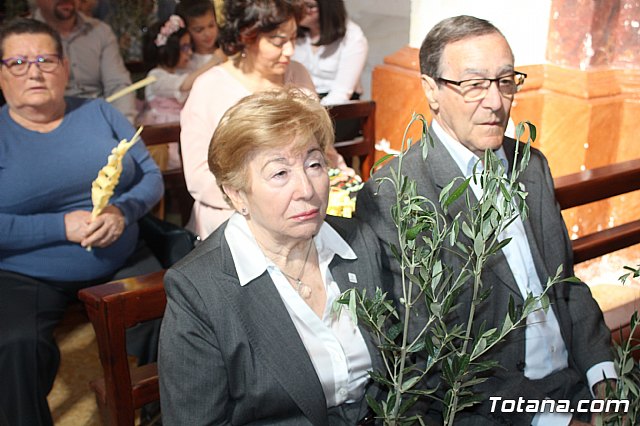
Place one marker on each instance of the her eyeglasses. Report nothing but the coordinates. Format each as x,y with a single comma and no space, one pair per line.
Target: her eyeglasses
19,65
476,89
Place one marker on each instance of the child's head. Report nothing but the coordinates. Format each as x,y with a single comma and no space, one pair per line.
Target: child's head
200,17
169,44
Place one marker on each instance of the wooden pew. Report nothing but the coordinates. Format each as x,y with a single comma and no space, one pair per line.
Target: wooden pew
361,145
617,302
177,197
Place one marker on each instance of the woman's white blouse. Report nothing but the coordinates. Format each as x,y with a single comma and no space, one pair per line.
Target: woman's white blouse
335,68
334,343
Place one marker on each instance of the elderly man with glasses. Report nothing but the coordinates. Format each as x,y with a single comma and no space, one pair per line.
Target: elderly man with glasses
469,80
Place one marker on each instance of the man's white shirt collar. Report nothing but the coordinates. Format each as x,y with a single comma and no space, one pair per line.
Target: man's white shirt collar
464,158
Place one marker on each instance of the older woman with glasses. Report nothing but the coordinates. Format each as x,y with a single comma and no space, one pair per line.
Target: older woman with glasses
51,149
250,335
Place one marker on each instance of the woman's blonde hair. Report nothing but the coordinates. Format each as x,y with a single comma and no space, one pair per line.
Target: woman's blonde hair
283,118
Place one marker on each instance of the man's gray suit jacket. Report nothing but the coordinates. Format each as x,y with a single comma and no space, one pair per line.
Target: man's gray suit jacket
230,354
581,322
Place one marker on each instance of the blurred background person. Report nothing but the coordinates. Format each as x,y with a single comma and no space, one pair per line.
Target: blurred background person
249,335
200,17
96,65
333,49
168,46
259,37
51,149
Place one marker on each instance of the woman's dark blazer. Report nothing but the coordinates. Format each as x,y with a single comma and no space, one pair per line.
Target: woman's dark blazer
230,354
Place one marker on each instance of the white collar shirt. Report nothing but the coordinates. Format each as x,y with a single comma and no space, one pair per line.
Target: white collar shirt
334,343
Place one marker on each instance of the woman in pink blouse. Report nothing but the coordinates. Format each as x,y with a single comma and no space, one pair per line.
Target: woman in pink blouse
259,37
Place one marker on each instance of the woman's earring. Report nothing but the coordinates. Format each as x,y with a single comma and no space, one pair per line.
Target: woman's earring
243,54
244,211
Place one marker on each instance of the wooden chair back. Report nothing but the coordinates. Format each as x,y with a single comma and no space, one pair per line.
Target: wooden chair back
112,308
362,143
178,199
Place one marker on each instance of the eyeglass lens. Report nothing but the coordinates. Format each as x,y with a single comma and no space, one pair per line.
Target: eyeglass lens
476,89
20,65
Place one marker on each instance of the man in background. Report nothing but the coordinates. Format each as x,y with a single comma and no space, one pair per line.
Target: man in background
96,66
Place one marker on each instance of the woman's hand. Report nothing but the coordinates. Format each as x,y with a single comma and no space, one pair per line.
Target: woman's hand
76,224
105,229
101,232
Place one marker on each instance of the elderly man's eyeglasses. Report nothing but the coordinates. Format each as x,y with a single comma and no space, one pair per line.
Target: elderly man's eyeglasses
476,89
19,65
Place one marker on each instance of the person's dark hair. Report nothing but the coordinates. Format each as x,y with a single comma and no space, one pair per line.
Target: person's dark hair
446,32
166,55
332,20
189,9
245,20
19,26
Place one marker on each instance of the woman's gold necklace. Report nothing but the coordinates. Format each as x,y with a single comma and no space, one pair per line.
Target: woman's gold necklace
303,290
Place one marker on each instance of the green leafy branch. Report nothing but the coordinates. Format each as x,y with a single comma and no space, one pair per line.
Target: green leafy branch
435,346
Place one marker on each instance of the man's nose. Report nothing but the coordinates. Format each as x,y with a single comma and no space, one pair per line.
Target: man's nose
493,98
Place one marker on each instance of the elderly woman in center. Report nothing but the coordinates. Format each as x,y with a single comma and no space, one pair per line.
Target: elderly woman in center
250,335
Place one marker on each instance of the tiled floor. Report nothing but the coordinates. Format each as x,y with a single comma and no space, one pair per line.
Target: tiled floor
71,401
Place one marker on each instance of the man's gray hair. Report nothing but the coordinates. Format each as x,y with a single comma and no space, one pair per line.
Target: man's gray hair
448,31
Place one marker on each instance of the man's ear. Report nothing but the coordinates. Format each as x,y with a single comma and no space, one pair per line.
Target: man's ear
430,88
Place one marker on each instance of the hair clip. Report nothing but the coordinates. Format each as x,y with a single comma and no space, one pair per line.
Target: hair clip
173,24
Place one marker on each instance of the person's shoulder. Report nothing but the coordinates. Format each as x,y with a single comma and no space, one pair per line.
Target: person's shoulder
214,76
350,228
536,155
94,24
296,68
204,255
353,28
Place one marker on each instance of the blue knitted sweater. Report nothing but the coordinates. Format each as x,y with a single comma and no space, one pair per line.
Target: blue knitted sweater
45,175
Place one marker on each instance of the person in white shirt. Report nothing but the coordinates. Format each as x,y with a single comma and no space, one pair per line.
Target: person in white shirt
470,82
250,334
333,49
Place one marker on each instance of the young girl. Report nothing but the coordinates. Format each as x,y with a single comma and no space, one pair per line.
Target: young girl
169,47
200,18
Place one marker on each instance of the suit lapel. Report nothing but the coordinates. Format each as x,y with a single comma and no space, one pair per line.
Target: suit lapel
275,338
341,270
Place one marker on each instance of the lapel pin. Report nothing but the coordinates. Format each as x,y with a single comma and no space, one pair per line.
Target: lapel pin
353,278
